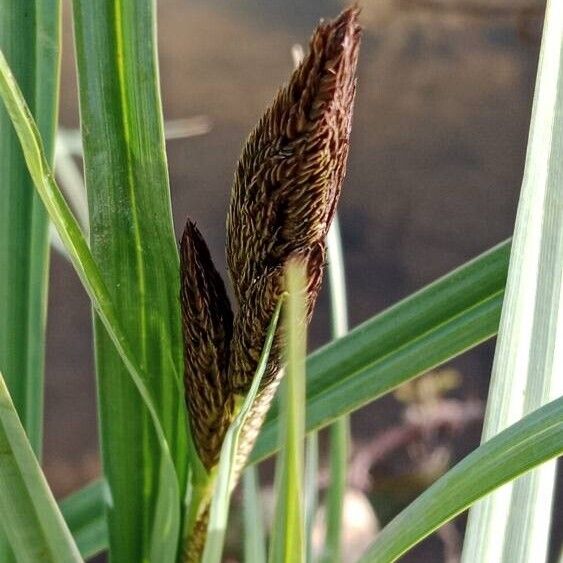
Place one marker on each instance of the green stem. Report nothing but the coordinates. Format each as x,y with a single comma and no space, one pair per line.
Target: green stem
339,430
339,447
311,488
254,537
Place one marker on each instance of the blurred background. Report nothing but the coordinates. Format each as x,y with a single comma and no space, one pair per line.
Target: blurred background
438,145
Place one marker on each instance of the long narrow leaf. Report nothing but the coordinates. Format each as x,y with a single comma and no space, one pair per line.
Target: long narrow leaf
93,282
441,321
30,38
254,535
339,440
132,240
465,303
288,538
340,429
311,489
513,524
531,441
227,465
90,534
31,518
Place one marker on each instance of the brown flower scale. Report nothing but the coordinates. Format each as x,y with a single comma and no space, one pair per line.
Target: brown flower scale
285,191
207,324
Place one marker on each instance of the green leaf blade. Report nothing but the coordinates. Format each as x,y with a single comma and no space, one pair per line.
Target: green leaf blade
29,36
444,319
311,488
90,533
89,273
513,524
35,527
533,440
133,241
340,429
254,535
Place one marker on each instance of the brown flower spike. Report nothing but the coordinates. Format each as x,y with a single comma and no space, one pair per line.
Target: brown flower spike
285,192
286,187
207,327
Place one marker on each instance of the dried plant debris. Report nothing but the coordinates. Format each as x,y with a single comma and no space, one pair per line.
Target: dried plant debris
286,187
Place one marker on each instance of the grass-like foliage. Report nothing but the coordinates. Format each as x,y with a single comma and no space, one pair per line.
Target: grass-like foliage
186,383
35,527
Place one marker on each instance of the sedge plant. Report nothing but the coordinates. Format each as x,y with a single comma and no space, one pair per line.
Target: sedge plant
186,386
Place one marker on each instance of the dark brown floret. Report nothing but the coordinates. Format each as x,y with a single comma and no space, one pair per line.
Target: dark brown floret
207,323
